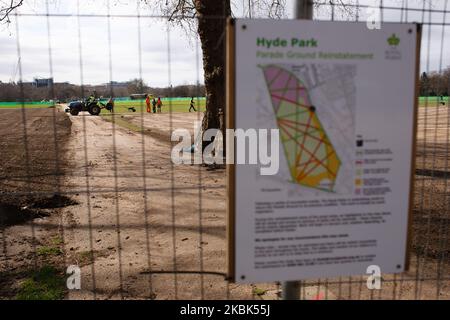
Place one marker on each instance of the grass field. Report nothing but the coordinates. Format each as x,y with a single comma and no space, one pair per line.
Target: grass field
177,104
28,105
121,106
431,101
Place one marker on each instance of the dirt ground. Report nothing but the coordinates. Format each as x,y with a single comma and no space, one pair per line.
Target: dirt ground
156,230
432,189
135,200
33,146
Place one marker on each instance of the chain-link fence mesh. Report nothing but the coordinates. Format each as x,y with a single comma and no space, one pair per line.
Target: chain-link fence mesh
101,192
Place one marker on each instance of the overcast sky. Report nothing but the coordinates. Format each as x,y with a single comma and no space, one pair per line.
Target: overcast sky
185,54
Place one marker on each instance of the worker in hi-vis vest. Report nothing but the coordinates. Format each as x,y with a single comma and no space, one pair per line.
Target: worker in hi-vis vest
147,102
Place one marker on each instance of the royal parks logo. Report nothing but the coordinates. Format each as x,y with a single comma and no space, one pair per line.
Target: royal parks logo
393,40
393,52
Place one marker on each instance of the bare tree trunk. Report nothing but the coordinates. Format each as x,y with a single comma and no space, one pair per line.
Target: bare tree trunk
212,16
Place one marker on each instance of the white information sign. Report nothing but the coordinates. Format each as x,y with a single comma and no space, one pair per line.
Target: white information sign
343,99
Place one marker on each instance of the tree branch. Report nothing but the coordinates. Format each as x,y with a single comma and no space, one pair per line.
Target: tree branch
6,7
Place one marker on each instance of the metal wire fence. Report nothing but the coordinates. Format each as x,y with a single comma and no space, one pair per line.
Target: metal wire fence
101,192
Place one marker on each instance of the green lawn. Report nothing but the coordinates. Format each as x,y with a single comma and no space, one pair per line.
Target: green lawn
431,101
176,105
28,105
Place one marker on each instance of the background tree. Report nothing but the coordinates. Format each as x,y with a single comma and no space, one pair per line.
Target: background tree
208,19
137,86
424,84
7,7
446,80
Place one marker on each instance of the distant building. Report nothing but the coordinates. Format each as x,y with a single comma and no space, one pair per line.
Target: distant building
42,82
117,84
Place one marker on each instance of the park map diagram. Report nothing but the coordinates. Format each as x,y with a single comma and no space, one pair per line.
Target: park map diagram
312,158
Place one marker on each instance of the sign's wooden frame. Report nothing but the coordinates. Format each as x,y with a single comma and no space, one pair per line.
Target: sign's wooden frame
230,124
413,153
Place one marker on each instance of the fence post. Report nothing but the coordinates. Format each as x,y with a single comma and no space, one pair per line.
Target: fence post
303,10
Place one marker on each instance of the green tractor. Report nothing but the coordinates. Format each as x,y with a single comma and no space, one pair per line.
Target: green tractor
92,105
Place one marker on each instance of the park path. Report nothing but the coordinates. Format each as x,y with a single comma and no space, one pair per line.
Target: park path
132,231
152,227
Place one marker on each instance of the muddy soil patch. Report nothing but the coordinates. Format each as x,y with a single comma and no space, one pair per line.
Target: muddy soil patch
12,215
53,202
